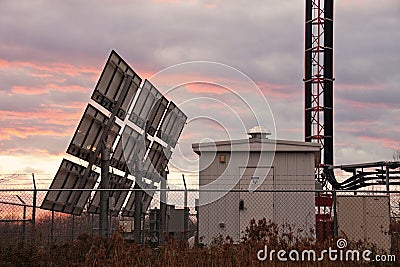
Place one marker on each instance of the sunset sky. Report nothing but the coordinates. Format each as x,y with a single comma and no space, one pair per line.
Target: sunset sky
52,54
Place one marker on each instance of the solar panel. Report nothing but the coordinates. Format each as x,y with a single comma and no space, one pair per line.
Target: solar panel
129,209
149,172
156,115
113,78
88,134
129,147
69,176
116,182
172,125
156,162
147,196
149,108
115,90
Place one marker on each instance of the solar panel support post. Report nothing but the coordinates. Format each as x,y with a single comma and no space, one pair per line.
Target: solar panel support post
163,207
105,162
104,194
137,222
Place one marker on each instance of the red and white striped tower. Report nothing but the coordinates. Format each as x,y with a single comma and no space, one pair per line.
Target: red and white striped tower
318,79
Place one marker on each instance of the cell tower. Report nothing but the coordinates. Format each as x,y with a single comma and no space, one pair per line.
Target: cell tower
318,80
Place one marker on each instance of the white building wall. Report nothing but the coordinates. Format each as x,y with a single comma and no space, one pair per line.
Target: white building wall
365,218
295,171
290,170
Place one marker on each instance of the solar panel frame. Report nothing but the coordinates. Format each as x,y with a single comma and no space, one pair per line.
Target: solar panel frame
156,116
147,196
109,86
152,112
156,162
149,108
69,176
87,136
129,208
172,125
116,182
130,147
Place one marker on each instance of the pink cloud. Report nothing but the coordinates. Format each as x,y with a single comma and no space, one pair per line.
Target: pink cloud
51,68
25,131
205,88
278,90
383,141
40,78
35,152
360,87
210,5
46,115
169,1
367,105
25,90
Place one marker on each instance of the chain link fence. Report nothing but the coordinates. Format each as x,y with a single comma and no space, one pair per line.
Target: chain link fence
370,217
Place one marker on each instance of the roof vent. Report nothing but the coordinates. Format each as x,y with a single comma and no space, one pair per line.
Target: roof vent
258,132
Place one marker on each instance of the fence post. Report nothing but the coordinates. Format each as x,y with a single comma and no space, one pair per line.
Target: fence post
196,241
52,227
34,202
185,212
24,225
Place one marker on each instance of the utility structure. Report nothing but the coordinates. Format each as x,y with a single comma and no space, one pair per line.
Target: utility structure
318,80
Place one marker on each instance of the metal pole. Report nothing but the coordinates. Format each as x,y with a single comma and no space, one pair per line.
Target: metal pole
24,225
137,212
73,227
34,202
186,212
163,207
91,224
104,194
387,179
335,223
143,222
24,217
197,222
52,227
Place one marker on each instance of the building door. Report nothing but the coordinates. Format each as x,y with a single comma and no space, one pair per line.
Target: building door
254,204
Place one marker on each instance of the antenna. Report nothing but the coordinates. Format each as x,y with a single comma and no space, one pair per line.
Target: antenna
318,80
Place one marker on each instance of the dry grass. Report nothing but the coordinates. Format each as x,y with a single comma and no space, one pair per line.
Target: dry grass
94,251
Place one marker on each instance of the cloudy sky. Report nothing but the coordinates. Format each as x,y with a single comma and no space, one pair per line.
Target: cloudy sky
52,53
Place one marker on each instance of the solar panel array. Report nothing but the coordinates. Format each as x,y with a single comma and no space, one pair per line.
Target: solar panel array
152,126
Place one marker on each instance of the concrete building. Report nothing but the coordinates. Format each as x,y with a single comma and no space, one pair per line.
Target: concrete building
257,163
